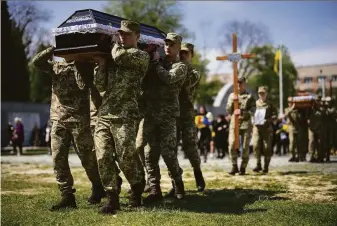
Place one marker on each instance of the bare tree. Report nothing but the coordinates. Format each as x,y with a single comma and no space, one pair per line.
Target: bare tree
27,17
249,35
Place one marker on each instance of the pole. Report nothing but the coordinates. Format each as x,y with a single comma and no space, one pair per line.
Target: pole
281,82
323,85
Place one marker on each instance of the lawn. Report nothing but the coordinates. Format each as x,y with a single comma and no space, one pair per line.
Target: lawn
293,197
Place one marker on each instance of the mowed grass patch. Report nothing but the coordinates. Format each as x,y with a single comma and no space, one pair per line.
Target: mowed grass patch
228,200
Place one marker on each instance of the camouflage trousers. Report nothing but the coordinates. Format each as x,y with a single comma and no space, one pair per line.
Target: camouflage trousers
188,131
160,135
315,144
92,128
262,141
141,143
303,146
62,134
245,139
115,140
294,143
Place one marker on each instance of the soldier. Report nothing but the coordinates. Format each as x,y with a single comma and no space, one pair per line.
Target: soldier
292,115
263,131
331,126
164,81
95,103
315,120
118,116
71,123
185,123
245,112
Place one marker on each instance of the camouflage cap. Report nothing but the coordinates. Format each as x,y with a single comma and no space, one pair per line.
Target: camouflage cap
173,37
187,47
262,89
241,78
129,26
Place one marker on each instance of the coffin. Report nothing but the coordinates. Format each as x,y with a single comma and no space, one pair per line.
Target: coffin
89,32
302,101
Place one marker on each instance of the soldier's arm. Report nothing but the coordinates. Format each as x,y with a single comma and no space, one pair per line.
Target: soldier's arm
194,77
122,56
101,76
85,75
250,108
41,60
177,73
230,104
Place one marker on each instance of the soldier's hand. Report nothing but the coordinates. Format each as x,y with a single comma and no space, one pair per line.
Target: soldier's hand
237,112
156,55
235,97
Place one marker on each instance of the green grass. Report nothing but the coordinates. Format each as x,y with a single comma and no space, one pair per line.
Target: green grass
29,190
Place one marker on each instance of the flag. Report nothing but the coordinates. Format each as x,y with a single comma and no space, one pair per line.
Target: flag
277,58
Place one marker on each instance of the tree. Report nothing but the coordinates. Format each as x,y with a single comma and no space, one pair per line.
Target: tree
206,90
265,75
40,82
249,35
20,25
165,15
27,17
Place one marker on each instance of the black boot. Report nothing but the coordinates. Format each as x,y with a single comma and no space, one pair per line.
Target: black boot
199,179
67,201
234,170
292,159
147,187
242,171
258,168
313,159
266,164
119,185
112,205
97,193
171,192
137,190
179,188
155,195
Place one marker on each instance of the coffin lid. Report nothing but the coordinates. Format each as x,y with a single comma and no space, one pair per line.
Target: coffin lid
93,21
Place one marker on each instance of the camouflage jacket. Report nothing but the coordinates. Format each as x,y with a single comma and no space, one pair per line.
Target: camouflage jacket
315,120
120,78
188,91
293,119
270,112
247,106
70,94
161,86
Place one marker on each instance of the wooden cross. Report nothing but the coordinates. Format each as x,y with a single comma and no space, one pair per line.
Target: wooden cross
235,57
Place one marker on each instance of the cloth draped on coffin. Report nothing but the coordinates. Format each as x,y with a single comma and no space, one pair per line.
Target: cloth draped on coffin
91,31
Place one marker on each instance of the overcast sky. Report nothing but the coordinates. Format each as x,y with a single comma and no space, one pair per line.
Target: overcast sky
307,28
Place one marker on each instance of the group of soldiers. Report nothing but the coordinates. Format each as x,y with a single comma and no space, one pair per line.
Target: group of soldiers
312,130
121,112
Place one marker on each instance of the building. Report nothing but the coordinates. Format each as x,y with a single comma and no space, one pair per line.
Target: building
311,78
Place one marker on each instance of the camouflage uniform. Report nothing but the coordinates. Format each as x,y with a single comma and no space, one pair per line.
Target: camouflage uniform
71,119
247,107
115,132
262,133
331,126
161,90
293,121
185,123
303,134
315,135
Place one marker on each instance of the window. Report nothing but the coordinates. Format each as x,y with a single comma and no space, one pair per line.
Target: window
321,78
308,79
334,78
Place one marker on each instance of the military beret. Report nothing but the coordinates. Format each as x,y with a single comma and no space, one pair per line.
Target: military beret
262,89
173,37
187,47
129,26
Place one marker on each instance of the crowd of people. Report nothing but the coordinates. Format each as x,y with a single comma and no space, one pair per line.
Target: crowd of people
129,108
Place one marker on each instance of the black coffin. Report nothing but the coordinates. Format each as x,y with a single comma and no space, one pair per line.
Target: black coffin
88,32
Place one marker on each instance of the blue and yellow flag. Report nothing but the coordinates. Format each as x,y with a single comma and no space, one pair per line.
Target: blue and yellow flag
277,58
